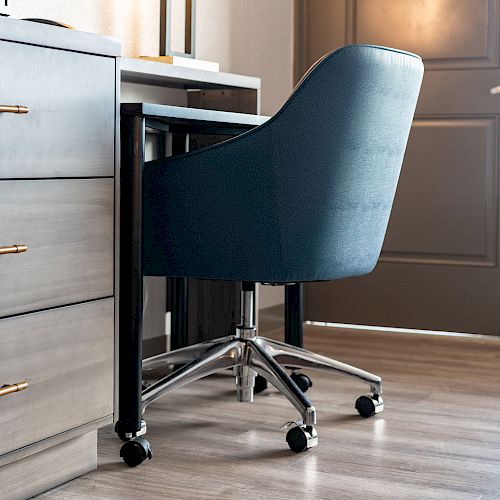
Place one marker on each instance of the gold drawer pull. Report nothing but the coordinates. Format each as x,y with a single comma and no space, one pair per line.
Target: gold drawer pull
14,109
9,389
13,249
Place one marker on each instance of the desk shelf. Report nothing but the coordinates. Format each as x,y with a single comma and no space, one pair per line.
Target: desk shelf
169,75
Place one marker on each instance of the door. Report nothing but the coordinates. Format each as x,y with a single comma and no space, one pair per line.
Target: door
439,265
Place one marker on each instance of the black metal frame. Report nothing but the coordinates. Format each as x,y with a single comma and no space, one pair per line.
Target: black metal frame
294,314
133,132
133,137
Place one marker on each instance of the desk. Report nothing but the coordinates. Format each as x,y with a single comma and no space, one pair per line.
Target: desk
135,118
192,88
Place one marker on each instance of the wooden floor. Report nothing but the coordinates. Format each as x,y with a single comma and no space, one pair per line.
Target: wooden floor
438,438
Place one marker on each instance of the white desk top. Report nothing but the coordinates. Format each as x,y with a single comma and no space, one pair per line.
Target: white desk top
178,114
169,75
16,30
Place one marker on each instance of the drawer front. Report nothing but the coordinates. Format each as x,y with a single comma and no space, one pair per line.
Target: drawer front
69,129
66,356
67,225
42,471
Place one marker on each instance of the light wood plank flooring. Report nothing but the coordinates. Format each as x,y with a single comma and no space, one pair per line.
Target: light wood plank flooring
438,438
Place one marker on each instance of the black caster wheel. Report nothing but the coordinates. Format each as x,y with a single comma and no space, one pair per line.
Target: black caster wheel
369,405
302,437
260,384
135,451
303,381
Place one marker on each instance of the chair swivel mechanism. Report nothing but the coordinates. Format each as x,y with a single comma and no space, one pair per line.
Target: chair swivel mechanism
304,197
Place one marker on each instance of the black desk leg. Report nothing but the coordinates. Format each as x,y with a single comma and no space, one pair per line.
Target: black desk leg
294,314
178,290
131,276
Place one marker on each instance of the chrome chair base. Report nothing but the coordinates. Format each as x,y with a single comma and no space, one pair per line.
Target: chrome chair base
247,358
247,355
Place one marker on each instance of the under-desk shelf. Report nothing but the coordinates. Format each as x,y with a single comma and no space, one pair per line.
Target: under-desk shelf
196,120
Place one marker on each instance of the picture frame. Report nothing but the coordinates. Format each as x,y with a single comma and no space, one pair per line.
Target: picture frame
166,25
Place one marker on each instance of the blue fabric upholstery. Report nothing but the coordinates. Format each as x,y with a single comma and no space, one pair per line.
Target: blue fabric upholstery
304,197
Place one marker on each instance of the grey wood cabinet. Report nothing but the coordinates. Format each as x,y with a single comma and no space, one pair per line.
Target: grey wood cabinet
57,298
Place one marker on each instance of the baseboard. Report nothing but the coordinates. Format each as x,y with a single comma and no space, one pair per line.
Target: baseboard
153,346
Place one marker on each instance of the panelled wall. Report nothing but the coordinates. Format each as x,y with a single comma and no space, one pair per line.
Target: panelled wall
439,265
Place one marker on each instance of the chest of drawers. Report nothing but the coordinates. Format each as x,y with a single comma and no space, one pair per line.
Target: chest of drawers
57,252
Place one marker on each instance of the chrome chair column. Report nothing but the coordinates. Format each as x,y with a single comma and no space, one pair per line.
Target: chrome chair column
246,331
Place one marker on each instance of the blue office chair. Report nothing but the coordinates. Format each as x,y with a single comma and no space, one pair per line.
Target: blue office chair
304,197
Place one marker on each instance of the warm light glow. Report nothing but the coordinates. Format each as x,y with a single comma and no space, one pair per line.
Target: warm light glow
379,429
310,476
435,29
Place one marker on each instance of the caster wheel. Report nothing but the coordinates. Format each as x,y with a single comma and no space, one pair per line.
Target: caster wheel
303,381
369,405
302,437
260,384
135,451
